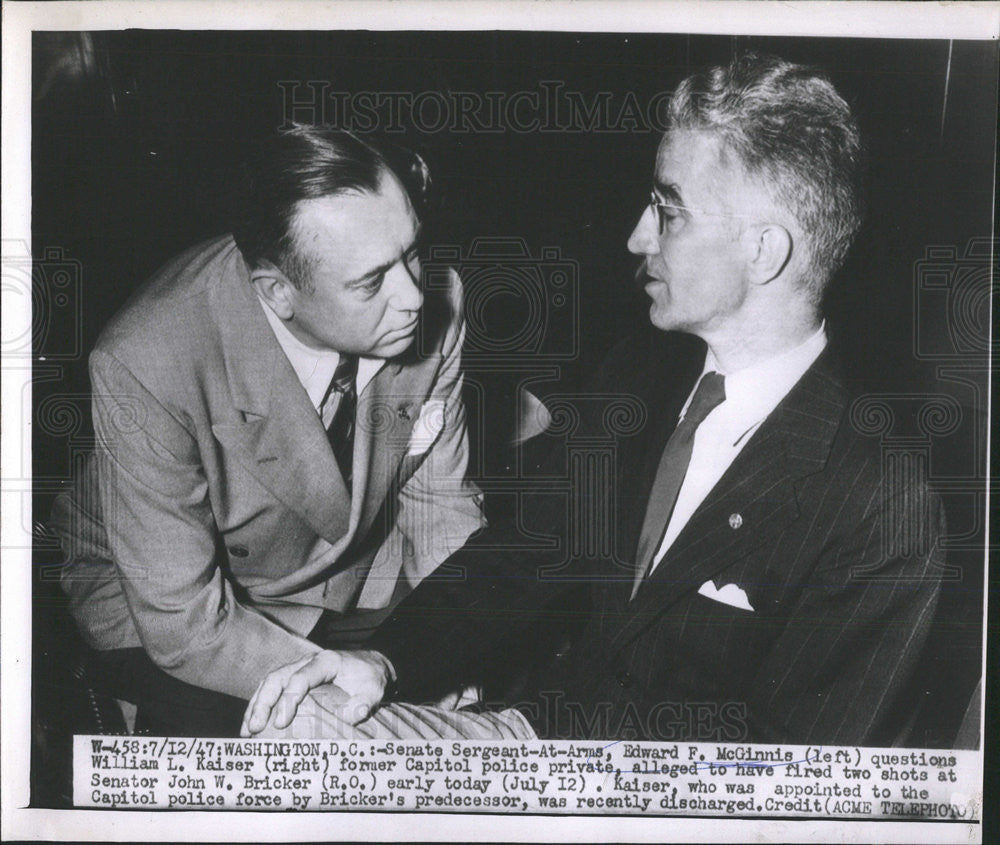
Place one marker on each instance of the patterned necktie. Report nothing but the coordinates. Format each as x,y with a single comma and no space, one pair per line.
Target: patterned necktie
671,471
341,430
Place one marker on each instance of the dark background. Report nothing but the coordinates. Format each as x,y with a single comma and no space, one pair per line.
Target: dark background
135,135
132,154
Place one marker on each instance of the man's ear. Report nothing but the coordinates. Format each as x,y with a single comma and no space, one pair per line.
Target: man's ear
275,289
769,247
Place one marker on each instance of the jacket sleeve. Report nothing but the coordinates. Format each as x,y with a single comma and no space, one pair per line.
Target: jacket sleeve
438,508
491,589
857,629
161,533
440,635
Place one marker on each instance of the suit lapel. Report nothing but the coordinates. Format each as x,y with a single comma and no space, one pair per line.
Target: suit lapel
640,459
387,410
759,488
281,440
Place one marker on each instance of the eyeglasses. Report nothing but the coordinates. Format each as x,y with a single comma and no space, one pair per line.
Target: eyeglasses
668,212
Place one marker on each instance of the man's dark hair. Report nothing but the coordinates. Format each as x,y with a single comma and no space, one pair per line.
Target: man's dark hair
793,133
310,162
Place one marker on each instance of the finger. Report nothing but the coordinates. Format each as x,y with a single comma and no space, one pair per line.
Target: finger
259,709
251,706
287,705
321,669
358,708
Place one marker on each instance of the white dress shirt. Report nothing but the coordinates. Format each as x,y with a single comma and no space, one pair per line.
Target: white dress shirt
751,394
315,367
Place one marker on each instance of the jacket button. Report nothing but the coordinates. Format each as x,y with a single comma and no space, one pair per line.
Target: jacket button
624,679
239,551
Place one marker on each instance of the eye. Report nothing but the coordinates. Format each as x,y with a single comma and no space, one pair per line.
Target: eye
669,217
372,286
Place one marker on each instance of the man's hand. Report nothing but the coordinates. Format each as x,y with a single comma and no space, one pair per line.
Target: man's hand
363,675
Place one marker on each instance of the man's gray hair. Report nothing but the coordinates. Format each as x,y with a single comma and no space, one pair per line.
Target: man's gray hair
795,135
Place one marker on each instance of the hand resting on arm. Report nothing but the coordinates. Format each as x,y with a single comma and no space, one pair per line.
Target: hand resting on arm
361,678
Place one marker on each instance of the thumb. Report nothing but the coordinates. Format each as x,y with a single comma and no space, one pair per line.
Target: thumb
358,708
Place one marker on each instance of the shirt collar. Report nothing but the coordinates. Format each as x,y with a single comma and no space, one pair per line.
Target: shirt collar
753,392
315,367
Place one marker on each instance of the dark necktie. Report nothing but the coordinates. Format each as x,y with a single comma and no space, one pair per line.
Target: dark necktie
671,471
341,430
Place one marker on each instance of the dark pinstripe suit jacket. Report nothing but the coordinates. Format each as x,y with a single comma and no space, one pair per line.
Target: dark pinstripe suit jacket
838,557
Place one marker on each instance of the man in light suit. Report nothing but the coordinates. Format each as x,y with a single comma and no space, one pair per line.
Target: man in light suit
281,440
768,580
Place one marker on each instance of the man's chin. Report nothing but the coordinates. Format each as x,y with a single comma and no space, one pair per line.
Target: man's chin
394,348
661,318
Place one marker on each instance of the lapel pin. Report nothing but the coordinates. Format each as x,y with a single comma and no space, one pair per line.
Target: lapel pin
735,521
403,413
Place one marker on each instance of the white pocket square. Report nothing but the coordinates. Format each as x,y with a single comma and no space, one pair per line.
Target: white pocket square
427,427
730,594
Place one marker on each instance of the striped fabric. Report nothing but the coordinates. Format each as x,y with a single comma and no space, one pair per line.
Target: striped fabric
808,527
399,721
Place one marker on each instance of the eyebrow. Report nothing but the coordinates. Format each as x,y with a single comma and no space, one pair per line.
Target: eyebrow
387,265
668,192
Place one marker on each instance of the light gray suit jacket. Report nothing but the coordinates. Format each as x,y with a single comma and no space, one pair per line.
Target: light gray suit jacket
213,526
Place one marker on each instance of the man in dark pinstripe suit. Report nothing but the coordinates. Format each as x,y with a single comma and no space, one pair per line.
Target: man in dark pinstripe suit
767,581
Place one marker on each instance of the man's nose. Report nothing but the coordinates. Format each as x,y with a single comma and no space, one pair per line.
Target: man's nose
404,293
644,239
